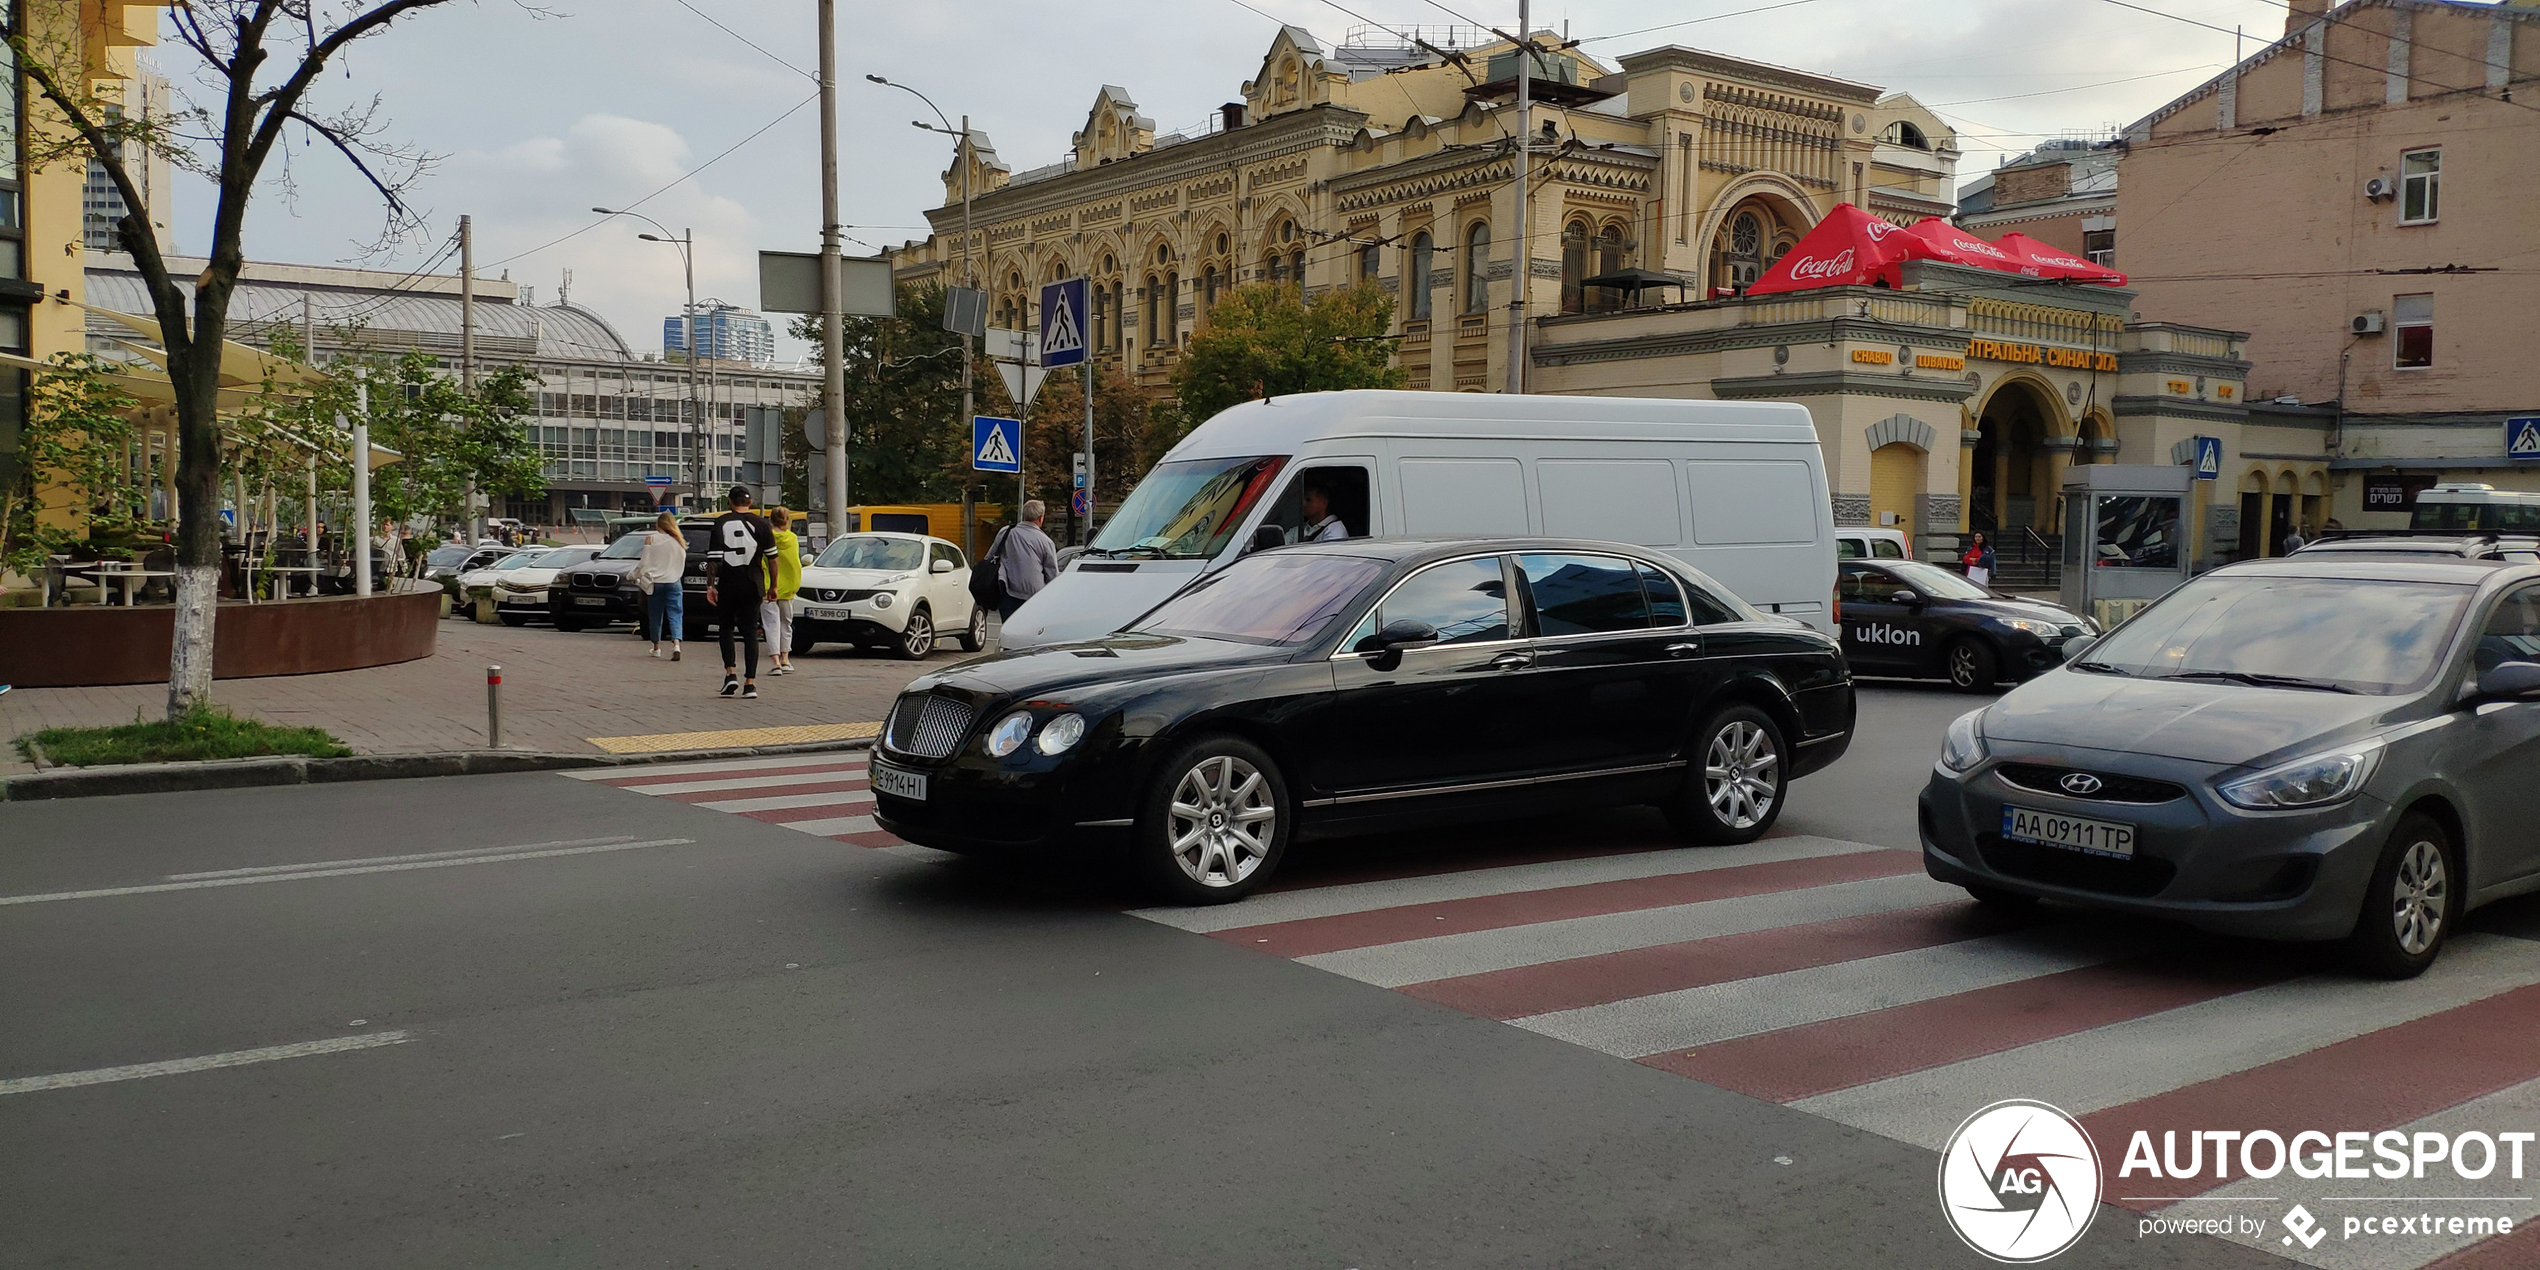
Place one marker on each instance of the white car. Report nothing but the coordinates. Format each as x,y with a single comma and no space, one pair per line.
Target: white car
892,591
477,582
521,593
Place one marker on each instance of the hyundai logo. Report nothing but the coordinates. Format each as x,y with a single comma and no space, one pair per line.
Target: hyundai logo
2080,783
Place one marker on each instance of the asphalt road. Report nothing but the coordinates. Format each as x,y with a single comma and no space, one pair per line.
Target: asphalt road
749,1047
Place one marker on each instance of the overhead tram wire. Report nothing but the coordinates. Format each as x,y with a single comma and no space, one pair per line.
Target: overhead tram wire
674,183
2324,54
710,19
1669,26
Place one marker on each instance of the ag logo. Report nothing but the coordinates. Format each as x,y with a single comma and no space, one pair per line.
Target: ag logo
2019,1181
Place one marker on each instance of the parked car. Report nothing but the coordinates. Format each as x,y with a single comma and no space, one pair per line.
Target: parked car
1734,488
1919,621
1340,687
894,591
600,590
2334,745
521,593
452,559
476,582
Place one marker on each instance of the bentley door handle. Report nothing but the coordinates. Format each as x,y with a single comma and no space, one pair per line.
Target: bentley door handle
1512,661
1684,650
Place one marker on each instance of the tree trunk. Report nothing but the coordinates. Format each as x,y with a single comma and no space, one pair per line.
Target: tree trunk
190,652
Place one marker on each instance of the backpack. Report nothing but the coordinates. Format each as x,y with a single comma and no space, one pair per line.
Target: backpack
986,588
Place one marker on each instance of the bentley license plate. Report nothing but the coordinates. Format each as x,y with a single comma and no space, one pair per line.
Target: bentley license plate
899,784
2091,837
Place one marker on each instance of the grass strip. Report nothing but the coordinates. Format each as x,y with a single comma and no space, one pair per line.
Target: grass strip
206,732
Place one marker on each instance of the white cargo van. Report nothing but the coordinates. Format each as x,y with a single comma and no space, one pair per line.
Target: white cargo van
1735,489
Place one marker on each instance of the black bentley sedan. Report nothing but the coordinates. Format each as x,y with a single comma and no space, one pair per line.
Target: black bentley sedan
1342,687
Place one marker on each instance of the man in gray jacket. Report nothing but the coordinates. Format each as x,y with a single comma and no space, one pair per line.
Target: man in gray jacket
1026,559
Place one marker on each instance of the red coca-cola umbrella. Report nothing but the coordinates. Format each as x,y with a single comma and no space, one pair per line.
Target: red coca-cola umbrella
2052,262
1932,238
1849,248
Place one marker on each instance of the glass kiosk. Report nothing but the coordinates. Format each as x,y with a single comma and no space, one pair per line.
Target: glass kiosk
2125,537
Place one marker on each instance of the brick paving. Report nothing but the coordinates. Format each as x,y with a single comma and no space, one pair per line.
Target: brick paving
559,691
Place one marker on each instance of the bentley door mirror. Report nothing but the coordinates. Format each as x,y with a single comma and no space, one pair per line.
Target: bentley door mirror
1397,635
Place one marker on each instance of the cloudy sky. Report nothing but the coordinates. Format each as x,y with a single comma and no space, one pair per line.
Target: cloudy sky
541,114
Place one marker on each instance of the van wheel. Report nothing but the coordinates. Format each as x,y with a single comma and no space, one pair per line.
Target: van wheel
2410,902
1734,792
975,636
1971,666
1213,822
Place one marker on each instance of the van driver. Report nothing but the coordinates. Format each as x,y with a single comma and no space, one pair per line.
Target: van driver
1320,524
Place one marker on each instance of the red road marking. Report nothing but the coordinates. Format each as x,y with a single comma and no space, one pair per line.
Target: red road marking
1307,936
2371,1082
1640,972
673,778
876,838
824,811
840,786
1815,1058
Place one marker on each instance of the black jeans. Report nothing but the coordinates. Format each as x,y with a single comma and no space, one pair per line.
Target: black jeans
736,613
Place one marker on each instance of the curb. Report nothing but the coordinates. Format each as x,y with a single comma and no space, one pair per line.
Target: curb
241,773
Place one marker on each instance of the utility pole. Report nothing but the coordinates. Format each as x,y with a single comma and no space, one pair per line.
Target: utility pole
467,363
696,404
1088,539
1521,277
961,155
833,370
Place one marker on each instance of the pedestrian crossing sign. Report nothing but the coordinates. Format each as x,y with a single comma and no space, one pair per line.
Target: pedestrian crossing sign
1063,322
2209,458
2522,437
996,445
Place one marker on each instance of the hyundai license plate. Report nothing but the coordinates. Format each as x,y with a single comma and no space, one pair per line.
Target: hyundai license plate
593,600
899,784
827,615
2091,837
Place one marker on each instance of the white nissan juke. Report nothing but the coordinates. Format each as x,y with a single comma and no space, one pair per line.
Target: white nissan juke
894,591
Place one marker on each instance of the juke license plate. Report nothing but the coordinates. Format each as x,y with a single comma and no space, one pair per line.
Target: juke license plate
2090,837
827,615
594,601
899,784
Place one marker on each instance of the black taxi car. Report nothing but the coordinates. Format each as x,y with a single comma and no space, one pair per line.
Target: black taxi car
1912,620
1340,687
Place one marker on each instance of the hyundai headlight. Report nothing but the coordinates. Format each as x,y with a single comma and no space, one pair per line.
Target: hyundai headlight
2315,781
1963,747
1062,733
1010,733
2042,630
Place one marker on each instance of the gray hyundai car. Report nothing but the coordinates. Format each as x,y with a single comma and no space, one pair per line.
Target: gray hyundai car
2342,744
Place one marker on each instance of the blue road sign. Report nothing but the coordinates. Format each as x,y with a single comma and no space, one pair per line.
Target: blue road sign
2522,437
1081,503
996,445
658,482
2209,458
1063,322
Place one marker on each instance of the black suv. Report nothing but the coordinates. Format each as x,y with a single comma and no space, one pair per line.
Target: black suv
602,590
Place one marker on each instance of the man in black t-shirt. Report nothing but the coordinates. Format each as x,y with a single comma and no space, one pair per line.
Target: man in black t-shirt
737,572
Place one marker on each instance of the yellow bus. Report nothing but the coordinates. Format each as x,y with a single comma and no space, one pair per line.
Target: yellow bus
941,520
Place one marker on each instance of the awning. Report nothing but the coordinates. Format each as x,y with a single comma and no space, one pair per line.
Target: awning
1849,248
1932,238
2052,263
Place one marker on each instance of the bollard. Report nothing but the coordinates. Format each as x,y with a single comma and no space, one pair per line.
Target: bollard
493,707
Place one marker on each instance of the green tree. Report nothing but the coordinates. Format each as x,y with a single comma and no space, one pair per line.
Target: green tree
907,441
443,435
1266,340
1124,437
70,455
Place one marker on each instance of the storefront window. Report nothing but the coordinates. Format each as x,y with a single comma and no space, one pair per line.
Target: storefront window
2137,531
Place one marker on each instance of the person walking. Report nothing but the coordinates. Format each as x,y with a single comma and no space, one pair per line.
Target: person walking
1026,559
658,571
776,612
1979,560
736,584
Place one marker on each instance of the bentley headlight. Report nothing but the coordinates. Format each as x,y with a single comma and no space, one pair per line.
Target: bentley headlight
1061,734
1010,733
2315,781
1963,748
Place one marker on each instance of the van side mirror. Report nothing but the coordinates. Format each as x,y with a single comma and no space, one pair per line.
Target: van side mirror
1387,644
1269,536
940,566
2510,681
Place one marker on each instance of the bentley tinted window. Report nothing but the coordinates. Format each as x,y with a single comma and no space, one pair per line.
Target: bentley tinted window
1585,595
1466,601
1666,599
1265,599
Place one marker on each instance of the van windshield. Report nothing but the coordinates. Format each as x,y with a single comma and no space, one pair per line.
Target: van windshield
1186,510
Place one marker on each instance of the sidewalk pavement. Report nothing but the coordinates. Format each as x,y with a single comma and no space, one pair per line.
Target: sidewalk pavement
588,692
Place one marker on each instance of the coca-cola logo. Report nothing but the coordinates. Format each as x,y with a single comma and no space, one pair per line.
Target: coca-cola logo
1808,267
2060,262
1877,229
1979,247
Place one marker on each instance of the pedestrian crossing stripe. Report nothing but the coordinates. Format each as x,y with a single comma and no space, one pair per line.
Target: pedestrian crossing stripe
993,451
1839,980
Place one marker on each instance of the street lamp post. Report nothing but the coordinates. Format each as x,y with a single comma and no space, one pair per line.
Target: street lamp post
687,245
962,156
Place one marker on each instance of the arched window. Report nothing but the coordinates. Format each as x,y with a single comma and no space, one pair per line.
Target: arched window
1477,267
1209,282
1172,308
1906,134
1416,286
1276,269
1221,244
1296,267
1574,266
1118,313
1155,304
1746,240
1369,260
1609,259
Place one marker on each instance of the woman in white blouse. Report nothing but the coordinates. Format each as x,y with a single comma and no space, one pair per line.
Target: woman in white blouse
658,572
